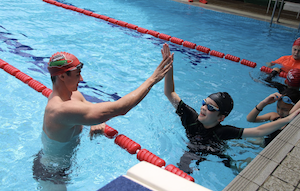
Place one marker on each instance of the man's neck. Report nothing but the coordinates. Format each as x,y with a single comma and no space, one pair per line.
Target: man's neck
61,91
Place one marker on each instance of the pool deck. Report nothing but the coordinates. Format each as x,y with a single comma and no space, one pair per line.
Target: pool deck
277,167
238,7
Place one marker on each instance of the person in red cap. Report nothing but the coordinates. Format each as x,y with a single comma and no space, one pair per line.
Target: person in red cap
291,61
67,111
292,81
287,62
293,78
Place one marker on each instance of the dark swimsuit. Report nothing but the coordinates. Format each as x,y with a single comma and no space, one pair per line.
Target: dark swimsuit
271,136
41,172
203,141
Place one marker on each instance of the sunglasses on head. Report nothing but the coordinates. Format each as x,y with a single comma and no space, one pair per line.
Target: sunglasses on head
209,106
287,100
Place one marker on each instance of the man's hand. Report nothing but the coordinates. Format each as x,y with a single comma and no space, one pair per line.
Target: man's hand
97,130
165,65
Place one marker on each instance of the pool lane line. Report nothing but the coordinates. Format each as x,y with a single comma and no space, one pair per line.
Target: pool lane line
36,85
268,70
124,142
155,34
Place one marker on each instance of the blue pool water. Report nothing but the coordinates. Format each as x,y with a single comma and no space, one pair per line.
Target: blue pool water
117,60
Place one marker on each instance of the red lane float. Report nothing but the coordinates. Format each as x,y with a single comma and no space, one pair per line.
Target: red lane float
122,23
142,30
88,13
111,20
79,10
132,26
36,85
269,70
231,57
283,74
189,44
266,69
110,132
127,144
103,17
153,33
10,69
176,40
95,15
72,8
203,49
177,171
217,54
164,36
23,77
2,63
58,4
145,155
248,63
65,6
46,92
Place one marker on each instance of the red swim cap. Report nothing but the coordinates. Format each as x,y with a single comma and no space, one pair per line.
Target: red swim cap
297,42
293,78
62,62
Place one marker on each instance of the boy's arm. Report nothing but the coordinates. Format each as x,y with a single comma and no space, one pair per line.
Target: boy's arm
253,115
169,88
269,128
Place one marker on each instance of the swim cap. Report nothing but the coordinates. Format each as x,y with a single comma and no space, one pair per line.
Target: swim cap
297,42
62,62
293,78
224,102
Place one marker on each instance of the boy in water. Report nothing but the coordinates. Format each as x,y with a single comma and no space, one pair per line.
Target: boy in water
285,103
204,130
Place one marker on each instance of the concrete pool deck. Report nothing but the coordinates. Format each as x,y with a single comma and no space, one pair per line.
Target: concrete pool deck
277,167
238,7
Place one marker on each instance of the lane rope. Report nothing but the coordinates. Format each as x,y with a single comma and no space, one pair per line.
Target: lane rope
155,34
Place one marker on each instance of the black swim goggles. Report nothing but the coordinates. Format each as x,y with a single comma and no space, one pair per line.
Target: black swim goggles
287,100
209,106
79,66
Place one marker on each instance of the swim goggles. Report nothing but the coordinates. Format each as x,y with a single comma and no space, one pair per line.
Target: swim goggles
287,100
209,106
79,66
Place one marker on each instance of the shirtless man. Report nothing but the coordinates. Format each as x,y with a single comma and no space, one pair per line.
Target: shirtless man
67,111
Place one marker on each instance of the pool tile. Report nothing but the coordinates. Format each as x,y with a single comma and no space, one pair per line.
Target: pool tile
295,152
298,144
288,175
241,183
259,169
290,134
292,163
277,151
274,183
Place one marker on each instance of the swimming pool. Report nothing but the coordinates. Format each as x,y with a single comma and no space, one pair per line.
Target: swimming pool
117,60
